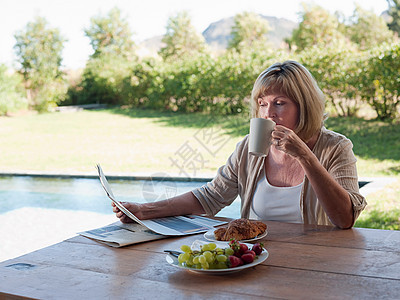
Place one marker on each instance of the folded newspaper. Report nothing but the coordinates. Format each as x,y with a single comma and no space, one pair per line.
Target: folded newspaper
118,234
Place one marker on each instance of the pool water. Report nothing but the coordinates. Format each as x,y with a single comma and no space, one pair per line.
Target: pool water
88,195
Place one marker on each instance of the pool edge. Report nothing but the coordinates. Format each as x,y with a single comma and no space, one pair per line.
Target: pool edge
111,176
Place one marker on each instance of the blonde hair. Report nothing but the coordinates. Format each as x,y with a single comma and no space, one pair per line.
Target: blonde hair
293,80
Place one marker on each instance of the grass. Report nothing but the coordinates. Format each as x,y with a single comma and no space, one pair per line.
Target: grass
121,140
383,210
376,144
128,141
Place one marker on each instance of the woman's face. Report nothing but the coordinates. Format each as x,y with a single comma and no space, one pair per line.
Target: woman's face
280,109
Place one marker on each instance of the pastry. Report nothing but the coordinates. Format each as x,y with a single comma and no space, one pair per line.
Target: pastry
240,229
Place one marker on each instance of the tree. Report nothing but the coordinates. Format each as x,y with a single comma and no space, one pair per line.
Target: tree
39,50
249,31
11,94
103,79
318,27
110,34
394,13
337,72
181,38
380,80
367,30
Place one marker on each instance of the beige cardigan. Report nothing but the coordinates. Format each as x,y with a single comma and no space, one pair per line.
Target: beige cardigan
240,174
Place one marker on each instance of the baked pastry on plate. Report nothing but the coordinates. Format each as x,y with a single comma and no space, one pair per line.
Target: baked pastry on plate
240,229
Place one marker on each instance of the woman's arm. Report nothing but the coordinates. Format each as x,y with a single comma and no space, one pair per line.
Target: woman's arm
184,204
334,199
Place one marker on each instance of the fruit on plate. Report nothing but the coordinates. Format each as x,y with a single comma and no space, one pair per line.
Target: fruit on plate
258,248
211,257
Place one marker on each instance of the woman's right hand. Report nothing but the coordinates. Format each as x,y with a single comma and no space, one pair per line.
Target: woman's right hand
131,206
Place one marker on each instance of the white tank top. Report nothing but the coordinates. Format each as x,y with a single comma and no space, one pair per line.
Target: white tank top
276,203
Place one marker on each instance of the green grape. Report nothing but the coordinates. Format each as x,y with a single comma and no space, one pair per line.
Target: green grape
202,259
181,259
209,256
212,246
185,248
205,265
186,256
219,250
229,251
221,265
196,259
221,258
212,265
189,262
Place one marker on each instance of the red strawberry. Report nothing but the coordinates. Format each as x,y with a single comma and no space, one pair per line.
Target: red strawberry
250,251
248,258
258,248
234,245
240,250
243,248
235,261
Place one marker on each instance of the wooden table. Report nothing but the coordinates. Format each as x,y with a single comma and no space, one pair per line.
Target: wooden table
305,262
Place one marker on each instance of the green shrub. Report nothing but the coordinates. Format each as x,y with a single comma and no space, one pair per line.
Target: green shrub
103,80
11,92
186,84
380,80
336,71
204,83
141,83
207,84
50,95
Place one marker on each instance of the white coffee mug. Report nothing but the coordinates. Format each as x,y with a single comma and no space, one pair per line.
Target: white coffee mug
260,136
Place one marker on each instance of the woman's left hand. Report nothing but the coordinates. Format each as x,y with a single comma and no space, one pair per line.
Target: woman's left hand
286,140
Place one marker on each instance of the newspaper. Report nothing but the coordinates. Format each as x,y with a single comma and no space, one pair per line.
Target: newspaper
119,235
169,226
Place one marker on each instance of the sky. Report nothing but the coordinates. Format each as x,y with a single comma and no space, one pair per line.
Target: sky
147,18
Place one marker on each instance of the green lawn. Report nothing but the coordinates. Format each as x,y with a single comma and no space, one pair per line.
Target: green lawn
130,141
122,141
383,210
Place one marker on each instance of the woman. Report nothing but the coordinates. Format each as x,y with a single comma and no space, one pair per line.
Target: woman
309,175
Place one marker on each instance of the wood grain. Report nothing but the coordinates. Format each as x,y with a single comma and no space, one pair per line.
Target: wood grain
305,262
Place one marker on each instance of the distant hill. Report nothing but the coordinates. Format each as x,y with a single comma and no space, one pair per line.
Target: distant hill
217,34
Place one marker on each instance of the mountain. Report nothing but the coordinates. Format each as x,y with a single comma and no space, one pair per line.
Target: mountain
217,34
150,47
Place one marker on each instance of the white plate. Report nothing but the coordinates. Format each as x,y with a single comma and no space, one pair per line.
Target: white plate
173,261
209,236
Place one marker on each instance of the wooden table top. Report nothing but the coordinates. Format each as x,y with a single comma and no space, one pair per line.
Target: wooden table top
305,262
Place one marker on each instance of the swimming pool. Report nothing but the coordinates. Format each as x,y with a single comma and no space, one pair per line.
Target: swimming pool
82,194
